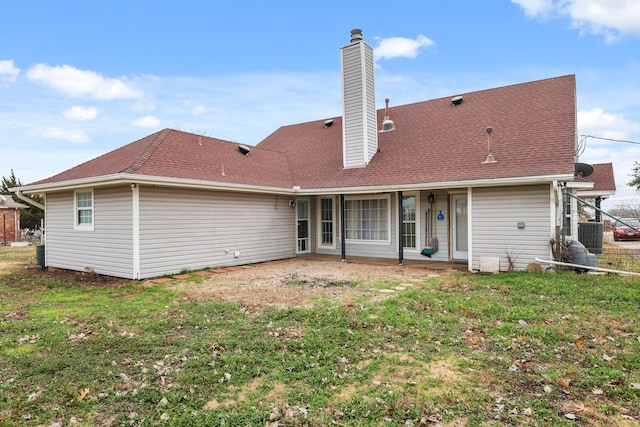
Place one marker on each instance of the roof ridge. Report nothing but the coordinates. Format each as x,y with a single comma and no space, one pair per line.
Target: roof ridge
147,153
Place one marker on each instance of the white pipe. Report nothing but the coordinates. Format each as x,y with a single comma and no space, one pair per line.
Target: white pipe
587,267
28,200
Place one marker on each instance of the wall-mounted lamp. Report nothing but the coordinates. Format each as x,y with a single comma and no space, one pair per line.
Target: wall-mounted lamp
440,216
292,203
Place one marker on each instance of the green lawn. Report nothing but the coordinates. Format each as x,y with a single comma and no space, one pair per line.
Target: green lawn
509,349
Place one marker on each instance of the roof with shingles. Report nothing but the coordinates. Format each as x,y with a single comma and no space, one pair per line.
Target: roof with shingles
174,154
602,178
434,141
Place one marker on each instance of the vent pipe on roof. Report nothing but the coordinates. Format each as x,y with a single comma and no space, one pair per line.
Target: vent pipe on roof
490,158
387,123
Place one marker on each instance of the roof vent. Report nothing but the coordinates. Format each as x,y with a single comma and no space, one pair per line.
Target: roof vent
490,158
356,35
387,123
328,123
244,149
457,100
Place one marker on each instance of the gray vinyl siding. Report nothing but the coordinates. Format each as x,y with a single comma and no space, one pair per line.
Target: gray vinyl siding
108,249
359,126
183,229
495,216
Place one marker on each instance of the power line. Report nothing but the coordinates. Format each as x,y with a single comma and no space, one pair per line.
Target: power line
584,137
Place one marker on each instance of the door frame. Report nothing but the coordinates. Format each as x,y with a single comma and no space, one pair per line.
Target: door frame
307,249
453,224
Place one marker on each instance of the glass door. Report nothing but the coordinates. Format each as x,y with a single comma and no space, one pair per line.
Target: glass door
302,231
459,227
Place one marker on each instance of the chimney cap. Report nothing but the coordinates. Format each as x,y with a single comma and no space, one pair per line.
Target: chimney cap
356,35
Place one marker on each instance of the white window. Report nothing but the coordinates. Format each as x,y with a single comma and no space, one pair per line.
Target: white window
367,219
83,210
326,219
409,221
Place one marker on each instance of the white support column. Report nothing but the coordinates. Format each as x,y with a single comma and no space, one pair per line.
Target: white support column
135,217
470,227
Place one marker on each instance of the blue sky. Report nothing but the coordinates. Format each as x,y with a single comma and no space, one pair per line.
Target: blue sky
80,78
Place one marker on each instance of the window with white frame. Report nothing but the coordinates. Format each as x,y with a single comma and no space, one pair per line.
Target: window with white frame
367,219
326,222
409,221
83,210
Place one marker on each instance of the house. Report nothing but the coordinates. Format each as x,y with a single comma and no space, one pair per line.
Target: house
9,220
475,178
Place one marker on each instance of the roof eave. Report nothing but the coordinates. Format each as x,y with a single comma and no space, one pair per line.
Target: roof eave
125,178
499,182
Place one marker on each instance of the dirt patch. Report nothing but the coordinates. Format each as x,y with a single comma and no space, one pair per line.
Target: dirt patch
301,282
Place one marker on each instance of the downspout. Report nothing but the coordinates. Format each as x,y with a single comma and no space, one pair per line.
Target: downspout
400,221
28,200
343,240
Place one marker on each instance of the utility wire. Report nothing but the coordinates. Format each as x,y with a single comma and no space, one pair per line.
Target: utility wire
584,137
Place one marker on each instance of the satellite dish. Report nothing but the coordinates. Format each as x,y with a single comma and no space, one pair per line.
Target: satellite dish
244,149
328,123
582,170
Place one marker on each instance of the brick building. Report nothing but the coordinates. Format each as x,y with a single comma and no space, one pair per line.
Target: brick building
9,220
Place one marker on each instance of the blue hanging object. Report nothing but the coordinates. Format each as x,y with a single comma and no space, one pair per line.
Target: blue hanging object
440,216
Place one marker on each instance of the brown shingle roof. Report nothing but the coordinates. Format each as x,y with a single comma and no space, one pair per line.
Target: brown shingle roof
175,154
602,178
433,142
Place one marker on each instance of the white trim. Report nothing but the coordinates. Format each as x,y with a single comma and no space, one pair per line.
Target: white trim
334,213
470,228
126,178
308,219
77,225
135,218
418,247
453,227
389,218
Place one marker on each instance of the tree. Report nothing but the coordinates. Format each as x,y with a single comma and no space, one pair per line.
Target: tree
635,174
31,216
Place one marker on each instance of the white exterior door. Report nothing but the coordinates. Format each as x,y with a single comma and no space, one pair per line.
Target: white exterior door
302,230
459,227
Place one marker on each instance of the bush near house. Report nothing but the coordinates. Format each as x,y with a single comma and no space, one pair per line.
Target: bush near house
403,348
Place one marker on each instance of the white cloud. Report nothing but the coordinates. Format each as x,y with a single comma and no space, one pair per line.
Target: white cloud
612,19
8,71
79,83
536,8
81,113
71,135
395,47
597,122
198,109
147,122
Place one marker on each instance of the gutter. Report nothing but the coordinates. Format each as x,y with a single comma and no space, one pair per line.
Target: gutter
122,178
26,199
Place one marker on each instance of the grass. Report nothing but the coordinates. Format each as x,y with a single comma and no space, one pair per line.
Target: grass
509,349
